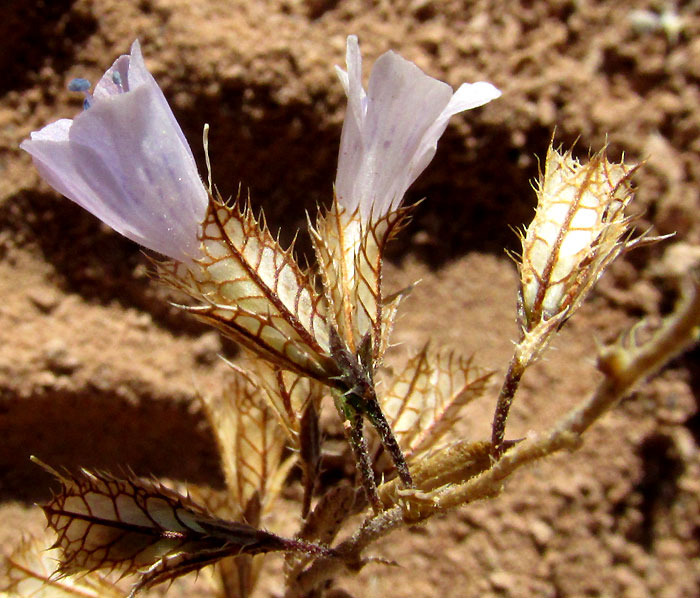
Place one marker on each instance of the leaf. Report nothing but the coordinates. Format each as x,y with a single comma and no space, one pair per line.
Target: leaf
133,526
297,401
176,565
579,228
214,500
255,292
27,572
332,510
349,252
251,442
426,397
309,454
368,298
336,239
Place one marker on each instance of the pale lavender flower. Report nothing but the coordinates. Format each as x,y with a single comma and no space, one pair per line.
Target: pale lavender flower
126,160
390,133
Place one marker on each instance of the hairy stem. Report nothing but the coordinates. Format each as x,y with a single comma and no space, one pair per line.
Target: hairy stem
678,333
386,435
623,368
505,400
353,425
528,350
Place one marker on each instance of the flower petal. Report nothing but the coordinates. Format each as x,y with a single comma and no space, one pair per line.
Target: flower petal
132,74
354,89
126,160
57,131
404,103
144,177
53,158
391,133
467,96
401,104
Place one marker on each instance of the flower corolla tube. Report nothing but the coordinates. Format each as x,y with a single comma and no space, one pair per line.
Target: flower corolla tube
390,132
126,160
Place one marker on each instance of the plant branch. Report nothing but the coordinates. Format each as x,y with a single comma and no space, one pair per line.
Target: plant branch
516,369
623,368
324,569
530,346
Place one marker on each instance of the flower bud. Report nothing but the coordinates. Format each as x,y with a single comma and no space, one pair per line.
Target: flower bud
579,228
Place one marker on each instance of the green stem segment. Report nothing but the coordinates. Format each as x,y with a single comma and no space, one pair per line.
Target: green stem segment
353,425
355,398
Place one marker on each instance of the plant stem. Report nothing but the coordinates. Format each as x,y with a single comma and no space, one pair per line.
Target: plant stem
353,428
623,368
531,345
505,400
386,435
324,569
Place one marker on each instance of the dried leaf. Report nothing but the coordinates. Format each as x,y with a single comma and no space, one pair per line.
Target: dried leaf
426,397
214,500
368,299
27,572
250,441
133,526
176,565
324,522
332,510
309,454
255,292
241,409
336,239
389,311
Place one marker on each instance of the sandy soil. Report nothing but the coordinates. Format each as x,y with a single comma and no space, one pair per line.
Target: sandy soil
97,370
